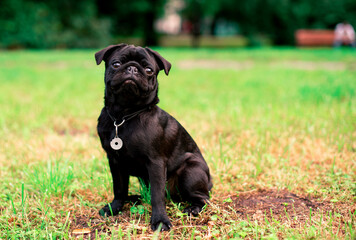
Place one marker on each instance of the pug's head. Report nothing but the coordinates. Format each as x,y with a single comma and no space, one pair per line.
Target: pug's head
131,74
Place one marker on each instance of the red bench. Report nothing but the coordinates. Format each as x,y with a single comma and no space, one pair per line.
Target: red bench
315,37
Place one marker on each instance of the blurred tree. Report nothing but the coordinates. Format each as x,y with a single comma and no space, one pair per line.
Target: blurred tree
276,19
51,23
193,12
92,23
133,18
24,28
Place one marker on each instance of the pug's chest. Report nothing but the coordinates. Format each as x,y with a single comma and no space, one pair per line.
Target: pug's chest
127,142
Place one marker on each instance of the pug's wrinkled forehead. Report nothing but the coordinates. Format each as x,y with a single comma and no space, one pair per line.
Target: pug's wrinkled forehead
125,53
133,54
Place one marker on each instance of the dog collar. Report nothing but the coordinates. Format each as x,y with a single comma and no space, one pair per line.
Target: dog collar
126,117
116,143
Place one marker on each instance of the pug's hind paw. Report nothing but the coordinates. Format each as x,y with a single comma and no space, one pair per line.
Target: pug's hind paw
192,210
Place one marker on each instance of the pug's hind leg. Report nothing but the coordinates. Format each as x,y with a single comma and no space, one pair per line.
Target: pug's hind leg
194,186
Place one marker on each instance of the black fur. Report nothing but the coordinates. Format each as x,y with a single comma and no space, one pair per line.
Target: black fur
156,147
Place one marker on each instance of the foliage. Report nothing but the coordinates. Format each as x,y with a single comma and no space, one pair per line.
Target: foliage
278,19
76,24
133,18
49,24
94,23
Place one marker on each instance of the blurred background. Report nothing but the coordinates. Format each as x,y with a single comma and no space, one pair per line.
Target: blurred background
46,24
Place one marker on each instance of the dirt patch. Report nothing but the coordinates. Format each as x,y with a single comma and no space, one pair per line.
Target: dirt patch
282,206
273,204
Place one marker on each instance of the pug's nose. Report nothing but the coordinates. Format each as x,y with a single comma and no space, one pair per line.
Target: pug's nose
132,70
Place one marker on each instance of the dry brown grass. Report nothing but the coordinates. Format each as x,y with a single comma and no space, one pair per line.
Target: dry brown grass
299,162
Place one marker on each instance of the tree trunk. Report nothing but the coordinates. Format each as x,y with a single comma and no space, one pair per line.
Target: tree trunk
150,37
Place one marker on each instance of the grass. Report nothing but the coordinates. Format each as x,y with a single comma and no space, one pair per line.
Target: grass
280,119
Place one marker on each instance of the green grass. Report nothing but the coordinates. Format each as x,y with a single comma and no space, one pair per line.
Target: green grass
264,119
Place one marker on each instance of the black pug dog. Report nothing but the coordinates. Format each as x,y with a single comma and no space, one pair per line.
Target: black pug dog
142,140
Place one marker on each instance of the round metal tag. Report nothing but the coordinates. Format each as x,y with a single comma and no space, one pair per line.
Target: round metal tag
116,143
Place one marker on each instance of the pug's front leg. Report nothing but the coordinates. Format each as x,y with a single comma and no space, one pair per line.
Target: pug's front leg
120,186
157,176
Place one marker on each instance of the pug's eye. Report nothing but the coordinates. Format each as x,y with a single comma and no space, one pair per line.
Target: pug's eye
149,71
116,65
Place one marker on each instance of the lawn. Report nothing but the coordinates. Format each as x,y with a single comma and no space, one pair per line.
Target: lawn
276,127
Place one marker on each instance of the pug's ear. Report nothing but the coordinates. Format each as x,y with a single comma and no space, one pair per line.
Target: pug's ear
162,63
104,53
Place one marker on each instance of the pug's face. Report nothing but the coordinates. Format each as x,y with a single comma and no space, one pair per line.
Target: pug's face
131,73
